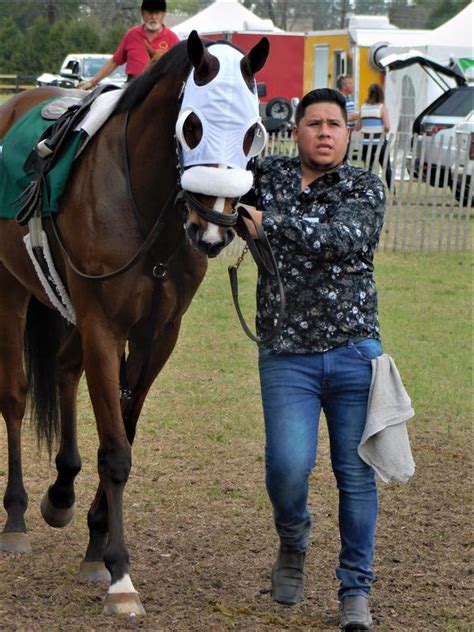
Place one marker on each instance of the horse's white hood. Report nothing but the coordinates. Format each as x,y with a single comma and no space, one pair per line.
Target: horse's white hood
227,109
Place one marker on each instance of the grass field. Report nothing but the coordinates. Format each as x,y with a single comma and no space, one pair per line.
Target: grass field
425,311
197,517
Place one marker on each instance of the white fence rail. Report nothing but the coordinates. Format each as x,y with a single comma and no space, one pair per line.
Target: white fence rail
429,206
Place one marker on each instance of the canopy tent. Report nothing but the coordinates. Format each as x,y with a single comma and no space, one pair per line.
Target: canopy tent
224,16
408,91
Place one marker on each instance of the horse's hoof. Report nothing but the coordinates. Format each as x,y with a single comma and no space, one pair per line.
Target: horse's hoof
94,572
54,516
123,603
15,542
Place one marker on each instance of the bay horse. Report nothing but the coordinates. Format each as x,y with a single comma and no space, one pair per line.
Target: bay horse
122,189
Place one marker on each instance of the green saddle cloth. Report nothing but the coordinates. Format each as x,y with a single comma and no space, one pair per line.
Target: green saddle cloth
17,145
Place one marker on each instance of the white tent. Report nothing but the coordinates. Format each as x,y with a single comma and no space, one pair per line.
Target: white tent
410,90
224,16
458,31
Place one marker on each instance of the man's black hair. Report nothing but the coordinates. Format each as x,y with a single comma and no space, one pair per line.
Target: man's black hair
320,95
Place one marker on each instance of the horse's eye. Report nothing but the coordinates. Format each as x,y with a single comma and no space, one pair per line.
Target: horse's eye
192,130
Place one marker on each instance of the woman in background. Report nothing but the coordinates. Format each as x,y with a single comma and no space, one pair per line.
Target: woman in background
373,122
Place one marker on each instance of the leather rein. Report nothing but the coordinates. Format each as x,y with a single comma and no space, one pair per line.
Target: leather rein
262,253
159,270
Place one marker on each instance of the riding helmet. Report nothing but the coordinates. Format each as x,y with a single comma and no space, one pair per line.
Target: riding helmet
154,5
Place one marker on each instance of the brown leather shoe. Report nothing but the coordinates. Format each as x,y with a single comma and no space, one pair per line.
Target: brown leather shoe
288,577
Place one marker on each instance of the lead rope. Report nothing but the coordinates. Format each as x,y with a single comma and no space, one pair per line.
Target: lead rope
264,258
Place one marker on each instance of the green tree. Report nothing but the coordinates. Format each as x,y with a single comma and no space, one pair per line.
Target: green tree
111,13
43,47
39,48
442,10
24,13
112,38
321,14
81,37
12,44
187,7
370,7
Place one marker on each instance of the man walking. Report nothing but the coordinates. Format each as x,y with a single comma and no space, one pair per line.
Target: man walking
323,219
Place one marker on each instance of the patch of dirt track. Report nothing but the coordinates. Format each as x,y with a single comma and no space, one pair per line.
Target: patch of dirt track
201,543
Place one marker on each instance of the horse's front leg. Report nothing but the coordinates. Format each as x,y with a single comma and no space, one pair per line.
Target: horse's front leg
58,504
93,567
13,307
102,351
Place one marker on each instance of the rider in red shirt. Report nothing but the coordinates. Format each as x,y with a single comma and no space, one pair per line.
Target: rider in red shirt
139,44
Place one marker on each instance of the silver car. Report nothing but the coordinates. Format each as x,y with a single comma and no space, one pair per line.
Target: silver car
443,134
79,67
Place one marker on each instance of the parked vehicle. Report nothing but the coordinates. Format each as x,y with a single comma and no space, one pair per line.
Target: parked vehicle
79,67
444,131
448,147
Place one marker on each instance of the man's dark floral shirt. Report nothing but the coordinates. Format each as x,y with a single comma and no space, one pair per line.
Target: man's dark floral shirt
324,240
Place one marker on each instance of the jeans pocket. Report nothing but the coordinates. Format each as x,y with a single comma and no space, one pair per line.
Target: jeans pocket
367,349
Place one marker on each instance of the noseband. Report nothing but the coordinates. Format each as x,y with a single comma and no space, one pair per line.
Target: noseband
209,214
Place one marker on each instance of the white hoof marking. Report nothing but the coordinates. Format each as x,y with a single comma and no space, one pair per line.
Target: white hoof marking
123,585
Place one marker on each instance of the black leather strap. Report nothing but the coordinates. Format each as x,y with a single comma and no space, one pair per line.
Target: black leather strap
262,253
215,217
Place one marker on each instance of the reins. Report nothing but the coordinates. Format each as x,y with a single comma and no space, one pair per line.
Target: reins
262,253
143,249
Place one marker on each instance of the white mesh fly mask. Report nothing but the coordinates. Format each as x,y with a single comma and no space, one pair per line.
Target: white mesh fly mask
227,109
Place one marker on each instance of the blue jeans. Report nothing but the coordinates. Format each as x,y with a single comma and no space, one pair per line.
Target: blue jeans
294,389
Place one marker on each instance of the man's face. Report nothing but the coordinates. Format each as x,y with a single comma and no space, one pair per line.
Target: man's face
153,20
348,86
322,137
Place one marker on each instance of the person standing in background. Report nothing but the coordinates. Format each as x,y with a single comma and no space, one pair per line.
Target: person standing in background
345,85
373,122
151,39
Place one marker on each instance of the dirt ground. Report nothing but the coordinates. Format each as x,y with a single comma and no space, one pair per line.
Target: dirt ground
201,542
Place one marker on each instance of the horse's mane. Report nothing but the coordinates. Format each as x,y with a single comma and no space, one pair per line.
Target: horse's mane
173,64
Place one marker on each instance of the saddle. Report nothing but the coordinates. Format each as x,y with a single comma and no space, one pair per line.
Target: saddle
67,113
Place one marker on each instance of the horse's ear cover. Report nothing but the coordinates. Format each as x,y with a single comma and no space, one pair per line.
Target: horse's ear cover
195,49
257,56
226,108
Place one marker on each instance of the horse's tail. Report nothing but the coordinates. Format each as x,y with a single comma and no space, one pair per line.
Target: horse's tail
44,329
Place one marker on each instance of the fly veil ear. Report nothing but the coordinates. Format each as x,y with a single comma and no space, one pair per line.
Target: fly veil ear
220,101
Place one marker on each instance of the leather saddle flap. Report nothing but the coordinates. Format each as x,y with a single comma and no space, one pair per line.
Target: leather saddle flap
53,110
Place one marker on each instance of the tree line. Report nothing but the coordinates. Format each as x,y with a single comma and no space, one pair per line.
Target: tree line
35,36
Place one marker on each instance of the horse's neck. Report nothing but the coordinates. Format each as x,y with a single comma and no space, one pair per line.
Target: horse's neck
152,155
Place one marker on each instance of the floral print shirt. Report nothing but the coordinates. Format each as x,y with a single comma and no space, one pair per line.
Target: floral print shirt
324,240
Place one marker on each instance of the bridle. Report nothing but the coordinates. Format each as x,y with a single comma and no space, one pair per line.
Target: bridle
260,249
177,197
215,217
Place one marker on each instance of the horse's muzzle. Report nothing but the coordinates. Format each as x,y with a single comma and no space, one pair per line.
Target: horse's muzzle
196,237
